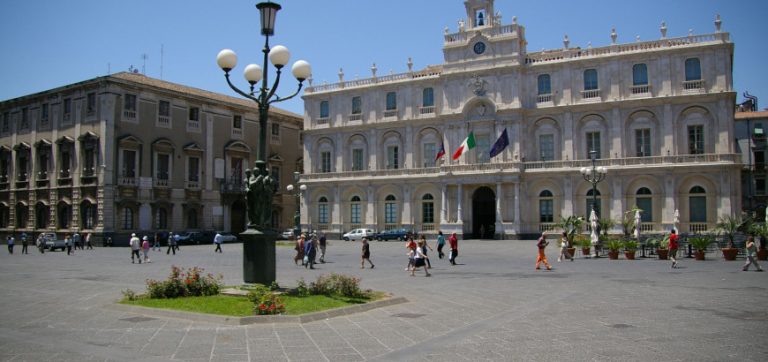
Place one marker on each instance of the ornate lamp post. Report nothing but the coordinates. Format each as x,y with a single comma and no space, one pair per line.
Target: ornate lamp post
594,176
299,191
259,240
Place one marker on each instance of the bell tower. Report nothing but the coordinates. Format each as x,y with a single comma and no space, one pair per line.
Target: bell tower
479,13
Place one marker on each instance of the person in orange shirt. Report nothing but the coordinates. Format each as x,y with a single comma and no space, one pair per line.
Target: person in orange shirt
542,244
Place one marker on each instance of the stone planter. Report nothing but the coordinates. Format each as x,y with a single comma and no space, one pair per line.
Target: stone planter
629,254
762,254
613,254
571,252
730,253
663,254
699,254
585,251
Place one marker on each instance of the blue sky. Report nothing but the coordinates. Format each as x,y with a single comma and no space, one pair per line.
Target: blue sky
49,43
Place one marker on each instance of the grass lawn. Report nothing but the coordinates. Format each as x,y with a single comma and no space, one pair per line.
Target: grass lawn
241,307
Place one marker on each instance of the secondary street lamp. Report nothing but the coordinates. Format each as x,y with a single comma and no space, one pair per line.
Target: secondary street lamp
259,239
594,176
297,216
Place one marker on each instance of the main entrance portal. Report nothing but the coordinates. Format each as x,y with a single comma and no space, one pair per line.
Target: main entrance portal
483,213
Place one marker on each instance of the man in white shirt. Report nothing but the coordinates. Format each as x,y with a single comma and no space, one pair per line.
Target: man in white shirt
135,244
218,240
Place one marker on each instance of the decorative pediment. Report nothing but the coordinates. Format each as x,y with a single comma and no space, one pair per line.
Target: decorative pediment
237,146
193,147
88,136
164,144
129,139
43,143
275,158
21,146
65,139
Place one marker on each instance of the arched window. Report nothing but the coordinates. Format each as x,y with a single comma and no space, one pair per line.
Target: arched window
545,86
697,204
355,210
128,222
427,209
590,79
87,215
162,218
322,210
22,215
5,216
546,206
64,214
692,69
42,215
428,97
390,210
192,219
639,74
593,199
644,201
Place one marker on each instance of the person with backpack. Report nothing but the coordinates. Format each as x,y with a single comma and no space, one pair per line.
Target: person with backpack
542,258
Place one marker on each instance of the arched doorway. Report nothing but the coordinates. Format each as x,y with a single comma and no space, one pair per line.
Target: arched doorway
237,217
483,213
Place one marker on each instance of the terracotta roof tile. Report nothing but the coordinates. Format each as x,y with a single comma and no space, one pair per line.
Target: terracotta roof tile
751,115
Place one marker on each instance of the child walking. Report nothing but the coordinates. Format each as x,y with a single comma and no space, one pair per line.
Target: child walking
564,248
751,255
542,244
419,259
366,254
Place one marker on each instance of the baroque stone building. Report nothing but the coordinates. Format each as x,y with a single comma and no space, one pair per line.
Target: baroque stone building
127,152
658,114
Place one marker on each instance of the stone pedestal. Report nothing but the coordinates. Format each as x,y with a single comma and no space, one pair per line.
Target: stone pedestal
259,256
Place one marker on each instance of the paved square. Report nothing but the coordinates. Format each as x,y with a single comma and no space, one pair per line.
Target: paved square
493,306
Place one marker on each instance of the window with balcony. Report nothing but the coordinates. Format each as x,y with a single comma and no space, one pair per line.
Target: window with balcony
393,159
390,210
325,161
324,110
22,164
428,209
640,79
193,172
164,114
547,147
43,159
590,80
593,143
696,139
697,204
391,106
90,103
4,167
129,164
546,208
643,142
193,119
428,154
355,210
162,169
129,107
692,69
358,162
644,201
275,132
322,211
428,97
237,122
89,159
67,113
544,88
65,163
593,202
357,109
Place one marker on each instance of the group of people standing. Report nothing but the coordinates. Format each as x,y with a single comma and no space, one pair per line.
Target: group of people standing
71,242
306,250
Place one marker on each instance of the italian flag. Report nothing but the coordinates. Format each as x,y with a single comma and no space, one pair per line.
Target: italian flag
467,144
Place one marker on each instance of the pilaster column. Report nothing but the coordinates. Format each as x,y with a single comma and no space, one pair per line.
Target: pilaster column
443,204
499,218
516,210
336,210
370,210
459,216
407,214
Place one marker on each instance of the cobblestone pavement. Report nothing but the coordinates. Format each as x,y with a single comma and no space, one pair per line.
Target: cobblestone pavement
493,306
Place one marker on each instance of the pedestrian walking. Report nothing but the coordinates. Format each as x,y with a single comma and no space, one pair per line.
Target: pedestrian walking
299,250
426,246
40,243
310,250
751,255
108,242
411,246
366,254
217,240
88,244
322,244
145,249
564,254
77,241
10,243
542,258
135,245
68,243
156,242
453,242
174,237
420,258
24,243
171,244
673,245
440,244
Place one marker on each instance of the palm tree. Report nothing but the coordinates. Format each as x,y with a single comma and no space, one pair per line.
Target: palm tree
571,225
730,225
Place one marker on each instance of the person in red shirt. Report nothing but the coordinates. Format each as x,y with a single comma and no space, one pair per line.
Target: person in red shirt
542,258
673,245
453,242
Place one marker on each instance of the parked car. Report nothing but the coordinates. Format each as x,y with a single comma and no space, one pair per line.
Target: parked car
357,234
52,242
226,237
193,237
287,234
394,234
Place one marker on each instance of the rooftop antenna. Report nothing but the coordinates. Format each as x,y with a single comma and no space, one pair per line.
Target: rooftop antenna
144,64
161,61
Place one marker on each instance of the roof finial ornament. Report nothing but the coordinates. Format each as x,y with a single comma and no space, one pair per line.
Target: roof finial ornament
663,29
613,35
637,38
446,30
718,23
566,41
410,64
514,20
373,70
341,75
461,25
589,45
690,32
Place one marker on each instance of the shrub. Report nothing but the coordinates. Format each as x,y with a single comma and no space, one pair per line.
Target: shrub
274,286
271,305
129,295
258,294
301,288
322,286
336,284
630,245
179,284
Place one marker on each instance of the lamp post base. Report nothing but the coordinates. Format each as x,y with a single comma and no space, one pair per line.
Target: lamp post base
259,264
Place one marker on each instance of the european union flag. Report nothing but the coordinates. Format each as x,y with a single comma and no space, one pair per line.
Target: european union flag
500,144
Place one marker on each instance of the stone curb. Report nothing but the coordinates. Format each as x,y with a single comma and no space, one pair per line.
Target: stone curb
239,321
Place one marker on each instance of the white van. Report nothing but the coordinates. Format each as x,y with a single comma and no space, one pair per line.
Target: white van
358,234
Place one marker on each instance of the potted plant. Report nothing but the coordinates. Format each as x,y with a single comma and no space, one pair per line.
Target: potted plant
761,231
614,245
606,224
584,243
662,246
571,225
729,226
630,247
699,243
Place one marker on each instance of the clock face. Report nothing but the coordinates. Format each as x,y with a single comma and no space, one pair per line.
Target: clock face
479,48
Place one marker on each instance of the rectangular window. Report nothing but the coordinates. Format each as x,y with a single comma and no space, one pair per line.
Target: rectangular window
354,211
759,160
24,124
130,103
276,129
593,143
428,97
692,69
428,154
67,109
322,211
759,186
22,171
164,109
357,159
89,154
194,114
65,163
639,74
275,173
129,163
392,157
193,169
324,109
43,159
325,162
428,212
698,208
90,106
237,122
163,166
645,204
547,147
483,143
590,79
544,84
44,113
390,213
643,142
546,210
357,106
6,122
696,140
391,101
